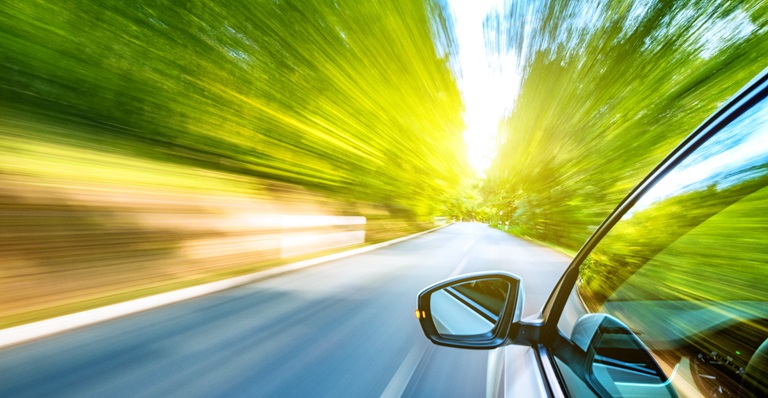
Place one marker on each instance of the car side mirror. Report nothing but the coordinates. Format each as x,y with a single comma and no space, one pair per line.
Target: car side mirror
617,362
475,311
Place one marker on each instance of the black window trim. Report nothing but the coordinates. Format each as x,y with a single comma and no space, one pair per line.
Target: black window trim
752,93
555,388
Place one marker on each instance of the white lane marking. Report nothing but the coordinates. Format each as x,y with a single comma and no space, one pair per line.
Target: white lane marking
466,247
402,377
459,267
36,330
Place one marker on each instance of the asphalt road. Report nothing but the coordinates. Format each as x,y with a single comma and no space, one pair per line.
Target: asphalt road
341,329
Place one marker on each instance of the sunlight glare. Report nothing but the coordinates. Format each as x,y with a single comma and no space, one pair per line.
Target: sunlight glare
488,84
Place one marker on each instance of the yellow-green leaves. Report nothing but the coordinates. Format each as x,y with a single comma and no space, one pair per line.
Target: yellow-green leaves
609,88
351,98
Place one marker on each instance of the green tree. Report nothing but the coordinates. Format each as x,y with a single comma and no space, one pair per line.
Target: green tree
609,88
353,99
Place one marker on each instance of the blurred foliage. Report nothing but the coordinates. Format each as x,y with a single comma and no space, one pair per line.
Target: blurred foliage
608,89
468,204
699,233
151,145
685,267
665,250
352,99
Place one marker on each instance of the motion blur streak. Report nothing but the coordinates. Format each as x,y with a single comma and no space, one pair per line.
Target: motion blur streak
342,329
150,145
73,243
608,89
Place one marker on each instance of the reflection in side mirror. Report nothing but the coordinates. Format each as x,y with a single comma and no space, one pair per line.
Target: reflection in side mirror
471,311
617,361
469,308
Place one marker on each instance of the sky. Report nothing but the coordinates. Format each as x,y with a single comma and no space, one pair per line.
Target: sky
723,161
488,84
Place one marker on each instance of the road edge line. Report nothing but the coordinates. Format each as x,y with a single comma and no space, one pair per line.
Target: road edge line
36,330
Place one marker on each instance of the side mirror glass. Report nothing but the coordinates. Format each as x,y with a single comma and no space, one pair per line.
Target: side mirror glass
471,311
618,364
469,308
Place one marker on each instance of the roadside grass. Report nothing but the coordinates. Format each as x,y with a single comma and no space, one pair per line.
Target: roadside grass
150,289
68,209
516,233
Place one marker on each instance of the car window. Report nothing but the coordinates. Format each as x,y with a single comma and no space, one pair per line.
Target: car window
686,270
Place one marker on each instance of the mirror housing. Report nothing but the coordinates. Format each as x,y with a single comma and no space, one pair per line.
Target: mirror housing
503,320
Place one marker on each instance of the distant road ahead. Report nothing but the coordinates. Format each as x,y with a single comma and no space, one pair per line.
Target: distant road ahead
341,329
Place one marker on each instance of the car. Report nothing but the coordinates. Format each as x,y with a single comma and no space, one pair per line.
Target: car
667,298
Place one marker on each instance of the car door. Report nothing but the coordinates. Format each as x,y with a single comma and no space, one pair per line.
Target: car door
669,297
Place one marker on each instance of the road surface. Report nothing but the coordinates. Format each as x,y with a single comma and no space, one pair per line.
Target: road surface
341,329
